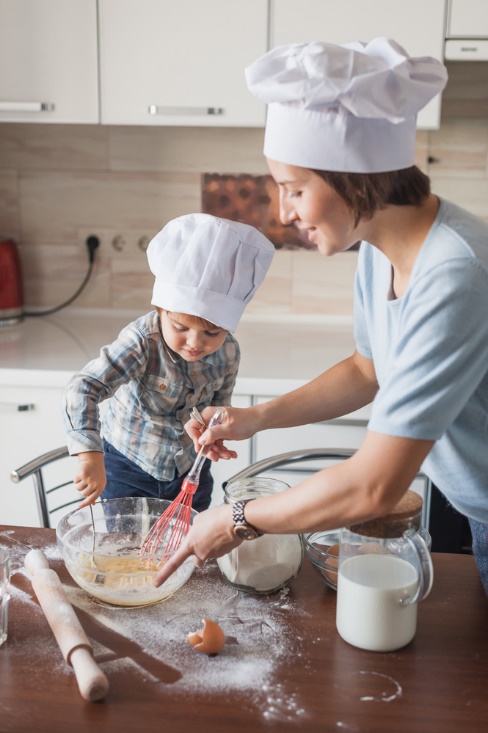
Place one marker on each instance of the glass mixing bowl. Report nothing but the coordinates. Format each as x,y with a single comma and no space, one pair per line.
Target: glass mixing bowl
322,549
104,557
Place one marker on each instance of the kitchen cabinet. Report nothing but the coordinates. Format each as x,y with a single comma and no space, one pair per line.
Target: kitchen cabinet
467,30
467,19
416,25
180,63
30,424
48,61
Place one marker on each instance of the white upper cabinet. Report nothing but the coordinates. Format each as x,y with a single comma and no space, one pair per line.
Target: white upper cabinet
467,30
467,19
418,25
48,61
167,62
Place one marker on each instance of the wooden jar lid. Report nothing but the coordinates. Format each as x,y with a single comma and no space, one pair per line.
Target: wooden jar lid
404,515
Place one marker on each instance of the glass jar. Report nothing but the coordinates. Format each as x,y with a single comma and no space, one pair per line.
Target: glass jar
385,569
270,562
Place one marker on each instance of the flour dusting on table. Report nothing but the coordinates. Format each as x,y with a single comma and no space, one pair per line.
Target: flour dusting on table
260,640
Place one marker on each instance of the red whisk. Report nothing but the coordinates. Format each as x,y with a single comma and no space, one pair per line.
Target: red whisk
173,525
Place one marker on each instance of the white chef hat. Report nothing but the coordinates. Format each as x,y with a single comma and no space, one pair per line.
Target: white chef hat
208,267
348,108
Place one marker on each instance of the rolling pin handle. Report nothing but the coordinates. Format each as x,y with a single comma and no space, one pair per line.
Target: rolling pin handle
92,682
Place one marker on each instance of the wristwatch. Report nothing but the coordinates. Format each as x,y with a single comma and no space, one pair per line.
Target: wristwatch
243,529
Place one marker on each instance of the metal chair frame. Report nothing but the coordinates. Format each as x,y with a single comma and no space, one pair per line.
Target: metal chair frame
34,468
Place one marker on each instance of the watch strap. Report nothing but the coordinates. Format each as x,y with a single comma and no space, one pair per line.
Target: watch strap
239,518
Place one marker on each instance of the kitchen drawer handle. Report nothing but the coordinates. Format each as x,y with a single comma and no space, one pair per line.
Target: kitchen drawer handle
26,107
154,109
22,407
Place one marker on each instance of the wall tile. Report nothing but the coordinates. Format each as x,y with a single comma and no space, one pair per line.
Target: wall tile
53,273
61,183
9,204
132,283
195,149
56,204
274,295
54,147
323,284
467,193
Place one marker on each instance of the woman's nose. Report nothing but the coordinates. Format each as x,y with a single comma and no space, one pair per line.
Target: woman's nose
287,210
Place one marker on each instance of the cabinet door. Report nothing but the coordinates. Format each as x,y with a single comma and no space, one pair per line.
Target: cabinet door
467,19
416,25
30,424
223,470
48,61
180,63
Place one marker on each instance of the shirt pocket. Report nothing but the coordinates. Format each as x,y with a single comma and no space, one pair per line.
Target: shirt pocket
161,395
206,394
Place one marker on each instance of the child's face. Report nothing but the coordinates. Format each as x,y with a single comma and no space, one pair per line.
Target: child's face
191,341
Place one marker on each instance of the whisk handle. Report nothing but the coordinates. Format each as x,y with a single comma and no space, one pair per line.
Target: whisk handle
189,487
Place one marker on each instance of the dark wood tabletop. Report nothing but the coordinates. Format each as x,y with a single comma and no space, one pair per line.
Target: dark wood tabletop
292,670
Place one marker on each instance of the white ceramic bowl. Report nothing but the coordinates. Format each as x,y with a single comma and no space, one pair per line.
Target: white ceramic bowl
107,564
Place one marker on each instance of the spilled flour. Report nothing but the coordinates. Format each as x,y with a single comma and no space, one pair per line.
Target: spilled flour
261,641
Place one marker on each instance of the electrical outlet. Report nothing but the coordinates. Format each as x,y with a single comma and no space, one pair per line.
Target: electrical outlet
126,243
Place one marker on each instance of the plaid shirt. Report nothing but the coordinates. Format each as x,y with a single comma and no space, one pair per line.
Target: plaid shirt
152,391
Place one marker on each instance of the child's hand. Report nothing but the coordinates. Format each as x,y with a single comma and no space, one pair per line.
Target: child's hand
90,480
216,450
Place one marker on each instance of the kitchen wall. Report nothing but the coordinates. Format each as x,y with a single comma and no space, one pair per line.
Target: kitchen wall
61,183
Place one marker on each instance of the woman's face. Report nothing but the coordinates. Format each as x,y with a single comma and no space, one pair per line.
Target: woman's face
307,201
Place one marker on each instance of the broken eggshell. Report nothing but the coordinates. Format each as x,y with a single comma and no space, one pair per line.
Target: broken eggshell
209,640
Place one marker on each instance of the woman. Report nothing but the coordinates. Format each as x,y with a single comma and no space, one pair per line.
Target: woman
339,141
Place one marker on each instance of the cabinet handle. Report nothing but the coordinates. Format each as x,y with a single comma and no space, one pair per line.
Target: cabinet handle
154,109
26,107
23,407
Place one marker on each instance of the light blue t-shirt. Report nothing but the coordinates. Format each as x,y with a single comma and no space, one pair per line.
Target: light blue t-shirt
430,351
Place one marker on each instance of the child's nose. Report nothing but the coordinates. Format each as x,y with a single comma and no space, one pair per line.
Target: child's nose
193,339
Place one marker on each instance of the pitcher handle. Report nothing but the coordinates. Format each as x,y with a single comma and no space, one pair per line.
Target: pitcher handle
426,575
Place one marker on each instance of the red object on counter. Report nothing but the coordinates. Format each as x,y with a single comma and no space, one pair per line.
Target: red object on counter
11,295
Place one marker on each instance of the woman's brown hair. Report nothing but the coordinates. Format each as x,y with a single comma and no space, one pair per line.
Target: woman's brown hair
366,193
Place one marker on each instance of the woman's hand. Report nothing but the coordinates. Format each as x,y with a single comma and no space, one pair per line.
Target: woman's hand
239,424
211,535
90,480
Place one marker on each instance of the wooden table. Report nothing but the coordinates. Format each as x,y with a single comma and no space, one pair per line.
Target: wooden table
317,682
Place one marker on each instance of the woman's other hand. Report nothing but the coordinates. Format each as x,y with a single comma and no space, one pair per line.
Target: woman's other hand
211,535
90,479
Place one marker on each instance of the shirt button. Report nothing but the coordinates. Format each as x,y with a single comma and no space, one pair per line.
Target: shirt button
162,386
193,374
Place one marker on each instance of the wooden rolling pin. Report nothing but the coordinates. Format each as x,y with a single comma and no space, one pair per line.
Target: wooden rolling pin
64,623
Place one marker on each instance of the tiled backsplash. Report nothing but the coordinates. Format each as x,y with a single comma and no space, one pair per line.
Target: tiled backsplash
61,183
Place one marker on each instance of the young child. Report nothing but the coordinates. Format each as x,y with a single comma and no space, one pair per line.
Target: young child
179,356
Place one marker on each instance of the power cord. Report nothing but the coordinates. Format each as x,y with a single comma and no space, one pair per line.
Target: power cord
92,244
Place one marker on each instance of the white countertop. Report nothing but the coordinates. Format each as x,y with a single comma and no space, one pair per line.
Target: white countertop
276,357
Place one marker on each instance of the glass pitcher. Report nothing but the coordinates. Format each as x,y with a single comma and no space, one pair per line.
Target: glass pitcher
385,569
270,562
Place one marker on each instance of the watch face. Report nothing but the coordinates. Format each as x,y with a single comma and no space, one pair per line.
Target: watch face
245,532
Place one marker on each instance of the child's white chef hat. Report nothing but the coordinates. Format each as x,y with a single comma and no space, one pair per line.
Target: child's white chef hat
208,267
348,108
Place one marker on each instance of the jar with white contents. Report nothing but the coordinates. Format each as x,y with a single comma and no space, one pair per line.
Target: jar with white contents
268,563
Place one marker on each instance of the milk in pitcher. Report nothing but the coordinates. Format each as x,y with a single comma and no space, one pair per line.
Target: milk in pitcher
371,612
